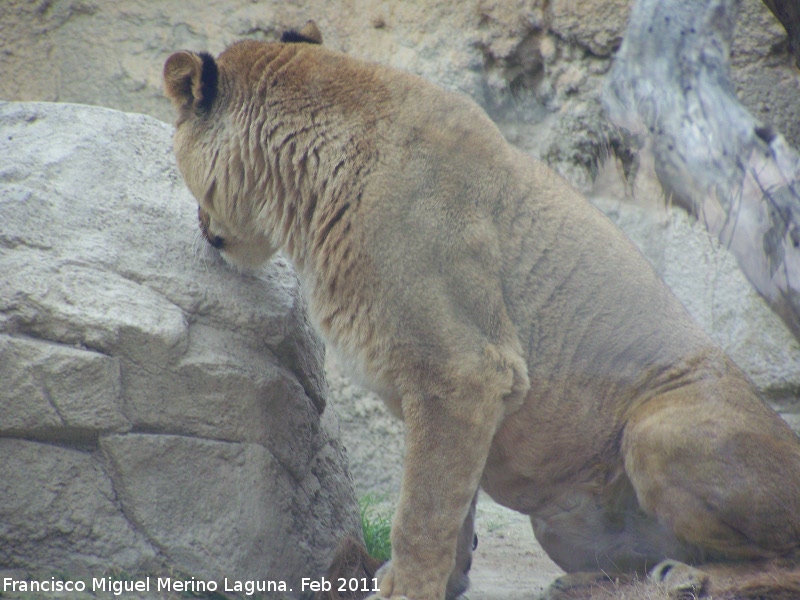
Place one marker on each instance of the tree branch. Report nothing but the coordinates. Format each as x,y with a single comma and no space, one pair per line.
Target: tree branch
670,87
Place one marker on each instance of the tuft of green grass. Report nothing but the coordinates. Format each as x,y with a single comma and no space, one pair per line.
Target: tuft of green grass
377,527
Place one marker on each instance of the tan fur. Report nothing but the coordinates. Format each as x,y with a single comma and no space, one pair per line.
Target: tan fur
758,580
526,343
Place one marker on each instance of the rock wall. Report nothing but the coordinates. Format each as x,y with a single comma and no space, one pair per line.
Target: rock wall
158,411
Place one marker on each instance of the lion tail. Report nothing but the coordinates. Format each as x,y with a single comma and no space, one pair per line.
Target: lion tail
351,561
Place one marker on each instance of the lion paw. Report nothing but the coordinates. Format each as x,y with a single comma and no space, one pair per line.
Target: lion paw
386,578
682,581
573,586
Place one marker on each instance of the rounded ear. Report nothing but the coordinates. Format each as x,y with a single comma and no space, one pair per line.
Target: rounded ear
182,77
311,32
190,80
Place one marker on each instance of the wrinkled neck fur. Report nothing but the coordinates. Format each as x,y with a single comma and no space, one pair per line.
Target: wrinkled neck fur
297,157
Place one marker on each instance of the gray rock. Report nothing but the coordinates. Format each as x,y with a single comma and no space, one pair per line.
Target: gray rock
50,386
157,408
58,511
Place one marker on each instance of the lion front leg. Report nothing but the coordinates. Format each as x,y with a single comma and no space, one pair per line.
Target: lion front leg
447,444
458,583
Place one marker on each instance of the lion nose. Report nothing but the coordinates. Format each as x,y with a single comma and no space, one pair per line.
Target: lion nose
205,220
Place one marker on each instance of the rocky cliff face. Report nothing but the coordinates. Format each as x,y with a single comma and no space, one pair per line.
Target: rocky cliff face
536,66
157,409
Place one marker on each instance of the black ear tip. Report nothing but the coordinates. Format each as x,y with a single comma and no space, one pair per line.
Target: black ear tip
295,37
209,78
291,36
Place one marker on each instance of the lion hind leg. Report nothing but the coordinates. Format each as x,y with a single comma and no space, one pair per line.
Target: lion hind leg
583,585
772,580
776,579
680,579
723,485
607,533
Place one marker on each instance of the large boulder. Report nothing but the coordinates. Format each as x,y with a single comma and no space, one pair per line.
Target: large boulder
157,409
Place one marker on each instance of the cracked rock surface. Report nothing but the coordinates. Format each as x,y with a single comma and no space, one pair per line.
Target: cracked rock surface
157,409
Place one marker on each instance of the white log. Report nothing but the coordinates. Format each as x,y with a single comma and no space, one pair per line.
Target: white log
670,87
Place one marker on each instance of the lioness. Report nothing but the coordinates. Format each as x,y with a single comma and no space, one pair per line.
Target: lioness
527,344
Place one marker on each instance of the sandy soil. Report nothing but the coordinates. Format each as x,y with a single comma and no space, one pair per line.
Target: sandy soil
508,563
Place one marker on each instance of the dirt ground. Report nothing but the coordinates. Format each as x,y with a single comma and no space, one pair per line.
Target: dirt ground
508,563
